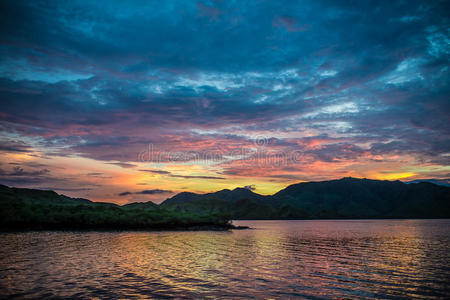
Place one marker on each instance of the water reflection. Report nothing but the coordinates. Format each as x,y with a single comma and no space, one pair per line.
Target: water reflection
278,259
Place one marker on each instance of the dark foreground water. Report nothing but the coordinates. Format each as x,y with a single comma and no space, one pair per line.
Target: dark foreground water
278,259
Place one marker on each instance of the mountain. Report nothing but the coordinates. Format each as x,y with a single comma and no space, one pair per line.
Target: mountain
140,205
343,198
444,182
225,195
239,203
41,210
183,197
365,198
29,196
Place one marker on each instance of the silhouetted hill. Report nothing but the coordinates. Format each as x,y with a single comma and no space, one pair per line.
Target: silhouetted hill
343,198
37,196
365,198
141,205
36,209
183,197
444,182
225,195
239,203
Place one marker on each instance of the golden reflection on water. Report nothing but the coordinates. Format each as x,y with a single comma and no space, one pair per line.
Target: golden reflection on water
276,259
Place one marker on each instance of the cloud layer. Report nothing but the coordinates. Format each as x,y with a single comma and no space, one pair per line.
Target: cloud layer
320,89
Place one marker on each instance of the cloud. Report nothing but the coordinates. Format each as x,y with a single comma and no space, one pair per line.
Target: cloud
18,171
14,146
156,171
152,192
30,164
250,187
125,194
196,177
30,176
146,192
181,176
123,165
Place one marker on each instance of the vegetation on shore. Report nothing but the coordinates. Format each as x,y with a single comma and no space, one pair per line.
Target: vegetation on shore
27,209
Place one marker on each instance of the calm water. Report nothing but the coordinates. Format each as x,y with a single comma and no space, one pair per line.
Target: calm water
278,259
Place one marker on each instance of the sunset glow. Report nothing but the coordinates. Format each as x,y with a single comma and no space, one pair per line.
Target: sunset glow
137,103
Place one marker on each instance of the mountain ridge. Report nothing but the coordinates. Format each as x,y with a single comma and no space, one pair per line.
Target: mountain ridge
341,198
345,198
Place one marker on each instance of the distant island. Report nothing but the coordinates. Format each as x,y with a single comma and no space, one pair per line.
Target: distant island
346,198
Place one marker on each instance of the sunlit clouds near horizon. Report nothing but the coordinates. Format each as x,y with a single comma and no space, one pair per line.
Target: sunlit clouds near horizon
134,101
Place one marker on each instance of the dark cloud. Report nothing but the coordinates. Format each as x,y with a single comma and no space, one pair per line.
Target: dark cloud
156,171
153,192
125,194
196,177
18,171
250,187
181,176
30,164
29,175
18,176
14,146
147,192
67,189
123,165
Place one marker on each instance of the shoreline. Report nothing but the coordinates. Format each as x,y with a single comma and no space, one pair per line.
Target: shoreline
210,227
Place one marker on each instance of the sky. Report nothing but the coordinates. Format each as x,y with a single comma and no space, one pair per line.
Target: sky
127,101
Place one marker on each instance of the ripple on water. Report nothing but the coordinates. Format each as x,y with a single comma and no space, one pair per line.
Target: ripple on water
279,259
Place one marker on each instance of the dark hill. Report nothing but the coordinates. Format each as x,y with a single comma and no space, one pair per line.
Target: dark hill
23,209
29,196
224,195
183,197
141,205
343,198
239,203
365,198
444,182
